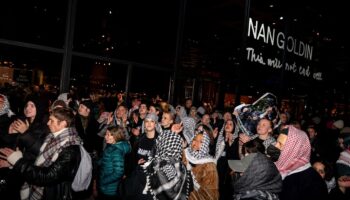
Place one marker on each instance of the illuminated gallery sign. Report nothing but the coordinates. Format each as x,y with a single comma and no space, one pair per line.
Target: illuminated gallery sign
292,45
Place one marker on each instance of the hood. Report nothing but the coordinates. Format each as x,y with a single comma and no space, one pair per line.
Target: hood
124,146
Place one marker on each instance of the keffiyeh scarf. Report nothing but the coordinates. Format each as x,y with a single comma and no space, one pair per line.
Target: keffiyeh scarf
189,125
166,175
344,158
5,109
296,152
50,151
202,155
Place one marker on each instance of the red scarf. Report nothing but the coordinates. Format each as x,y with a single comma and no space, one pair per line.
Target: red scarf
296,152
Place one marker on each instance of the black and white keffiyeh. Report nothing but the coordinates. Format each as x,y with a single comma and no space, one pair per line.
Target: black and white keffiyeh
189,125
5,109
202,155
166,175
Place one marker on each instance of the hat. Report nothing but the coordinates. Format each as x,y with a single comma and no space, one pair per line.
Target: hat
152,116
88,104
241,165
63,97
339,124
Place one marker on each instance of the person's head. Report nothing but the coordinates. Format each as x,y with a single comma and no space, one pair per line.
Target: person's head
34,109
197,142
264,127
60,118
114,135
135,115
143,110
320,168
193,112
153,109
215,114
253,146
167,119
30,110
121,111
311,130
188,103
281,141
227,116
150,122
85,108
229,126
284,118
135,102
324,169
205,119
295,149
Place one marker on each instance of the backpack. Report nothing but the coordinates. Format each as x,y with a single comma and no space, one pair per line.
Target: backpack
83,176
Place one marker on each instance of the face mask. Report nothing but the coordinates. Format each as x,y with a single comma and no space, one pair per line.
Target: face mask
273,152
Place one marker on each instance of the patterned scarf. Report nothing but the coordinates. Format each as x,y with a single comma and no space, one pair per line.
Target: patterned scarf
344,158
5,109
50,151
166,175
189,125
295,153
261,175
202,155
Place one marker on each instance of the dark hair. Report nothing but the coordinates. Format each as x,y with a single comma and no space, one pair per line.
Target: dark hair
64,114
253,146
328,169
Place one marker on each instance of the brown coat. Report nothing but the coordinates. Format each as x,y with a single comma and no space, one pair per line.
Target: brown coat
207,177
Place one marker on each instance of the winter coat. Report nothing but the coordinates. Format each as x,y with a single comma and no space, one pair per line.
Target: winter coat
112,167
57,178
207,177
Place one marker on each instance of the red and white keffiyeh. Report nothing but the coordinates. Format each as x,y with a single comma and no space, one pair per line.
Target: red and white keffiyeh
295,153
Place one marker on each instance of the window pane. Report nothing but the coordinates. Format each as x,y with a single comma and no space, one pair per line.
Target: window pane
142,31
30,66
96,74
40,22
151,82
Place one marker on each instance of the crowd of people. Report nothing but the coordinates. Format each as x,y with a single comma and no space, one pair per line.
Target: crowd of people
93,146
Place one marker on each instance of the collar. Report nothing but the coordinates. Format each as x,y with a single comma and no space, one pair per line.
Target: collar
59,132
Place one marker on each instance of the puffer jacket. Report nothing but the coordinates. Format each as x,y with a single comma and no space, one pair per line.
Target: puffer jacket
57,178
112,167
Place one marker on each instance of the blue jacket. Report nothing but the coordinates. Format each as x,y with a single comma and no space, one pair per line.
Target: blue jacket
112,167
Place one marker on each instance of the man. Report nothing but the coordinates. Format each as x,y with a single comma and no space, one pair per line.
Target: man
52,174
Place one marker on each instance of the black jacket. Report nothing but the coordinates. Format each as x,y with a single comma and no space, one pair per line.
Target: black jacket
57,178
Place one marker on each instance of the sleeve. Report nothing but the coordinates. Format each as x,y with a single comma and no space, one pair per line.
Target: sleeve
63,169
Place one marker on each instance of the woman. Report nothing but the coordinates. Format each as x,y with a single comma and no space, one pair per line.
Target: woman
112,163
203,167
31,129
230,153
300,180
